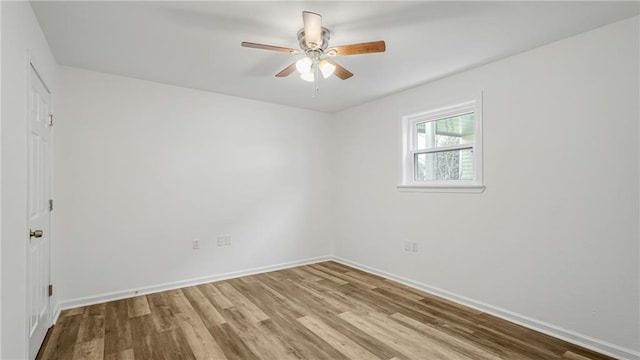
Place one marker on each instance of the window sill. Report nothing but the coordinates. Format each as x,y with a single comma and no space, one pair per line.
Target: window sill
474,189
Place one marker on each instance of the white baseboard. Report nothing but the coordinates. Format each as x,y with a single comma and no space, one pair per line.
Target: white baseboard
123,294
573,337
549,329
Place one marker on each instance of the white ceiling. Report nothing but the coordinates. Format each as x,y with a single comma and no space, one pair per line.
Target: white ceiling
197,44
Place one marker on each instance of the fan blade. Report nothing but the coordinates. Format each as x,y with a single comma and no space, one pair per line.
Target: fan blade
340,71
287,71
357,49
312,29
268,47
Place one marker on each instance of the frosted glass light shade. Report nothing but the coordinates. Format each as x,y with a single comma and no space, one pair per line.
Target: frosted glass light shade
326,68
304,65
308,76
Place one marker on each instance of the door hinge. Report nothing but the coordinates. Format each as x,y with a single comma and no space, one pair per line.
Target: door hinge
50,290
50,205
50,119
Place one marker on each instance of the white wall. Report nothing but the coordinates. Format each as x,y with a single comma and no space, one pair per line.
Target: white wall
20,32
143,168
554,237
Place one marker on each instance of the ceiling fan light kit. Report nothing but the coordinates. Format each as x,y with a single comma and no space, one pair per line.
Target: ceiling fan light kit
313,40
326,68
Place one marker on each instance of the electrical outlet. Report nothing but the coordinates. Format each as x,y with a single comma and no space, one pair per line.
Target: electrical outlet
196,244
220,240
414,246
407,245
227,240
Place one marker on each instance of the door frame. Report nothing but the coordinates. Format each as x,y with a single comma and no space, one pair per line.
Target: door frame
32,65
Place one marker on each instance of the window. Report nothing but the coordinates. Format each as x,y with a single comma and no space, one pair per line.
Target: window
442,149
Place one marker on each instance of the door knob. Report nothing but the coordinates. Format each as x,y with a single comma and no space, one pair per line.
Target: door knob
35,233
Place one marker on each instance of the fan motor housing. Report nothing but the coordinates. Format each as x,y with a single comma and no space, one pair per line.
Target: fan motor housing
325,35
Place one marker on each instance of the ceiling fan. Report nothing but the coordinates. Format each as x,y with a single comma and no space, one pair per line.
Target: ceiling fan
314,43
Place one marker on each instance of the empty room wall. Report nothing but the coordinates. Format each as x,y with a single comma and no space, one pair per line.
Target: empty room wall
553,241
21,39
142,169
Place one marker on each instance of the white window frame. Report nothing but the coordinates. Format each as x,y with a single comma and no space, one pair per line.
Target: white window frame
409,139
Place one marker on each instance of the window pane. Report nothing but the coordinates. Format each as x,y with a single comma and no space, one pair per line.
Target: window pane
444,165
421,132
449,131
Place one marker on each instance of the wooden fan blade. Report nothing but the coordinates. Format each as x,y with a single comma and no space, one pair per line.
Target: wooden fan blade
340,71
287,71
312,29
269,47
357,49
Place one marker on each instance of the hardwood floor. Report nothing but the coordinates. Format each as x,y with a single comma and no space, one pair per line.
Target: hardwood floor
321,311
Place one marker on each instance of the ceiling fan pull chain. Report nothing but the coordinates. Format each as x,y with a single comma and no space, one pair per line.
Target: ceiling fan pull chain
314,70
316,87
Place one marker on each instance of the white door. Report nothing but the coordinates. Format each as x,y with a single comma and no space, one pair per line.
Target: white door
38,195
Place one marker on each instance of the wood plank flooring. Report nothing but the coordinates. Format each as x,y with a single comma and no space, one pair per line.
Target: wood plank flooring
321,311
